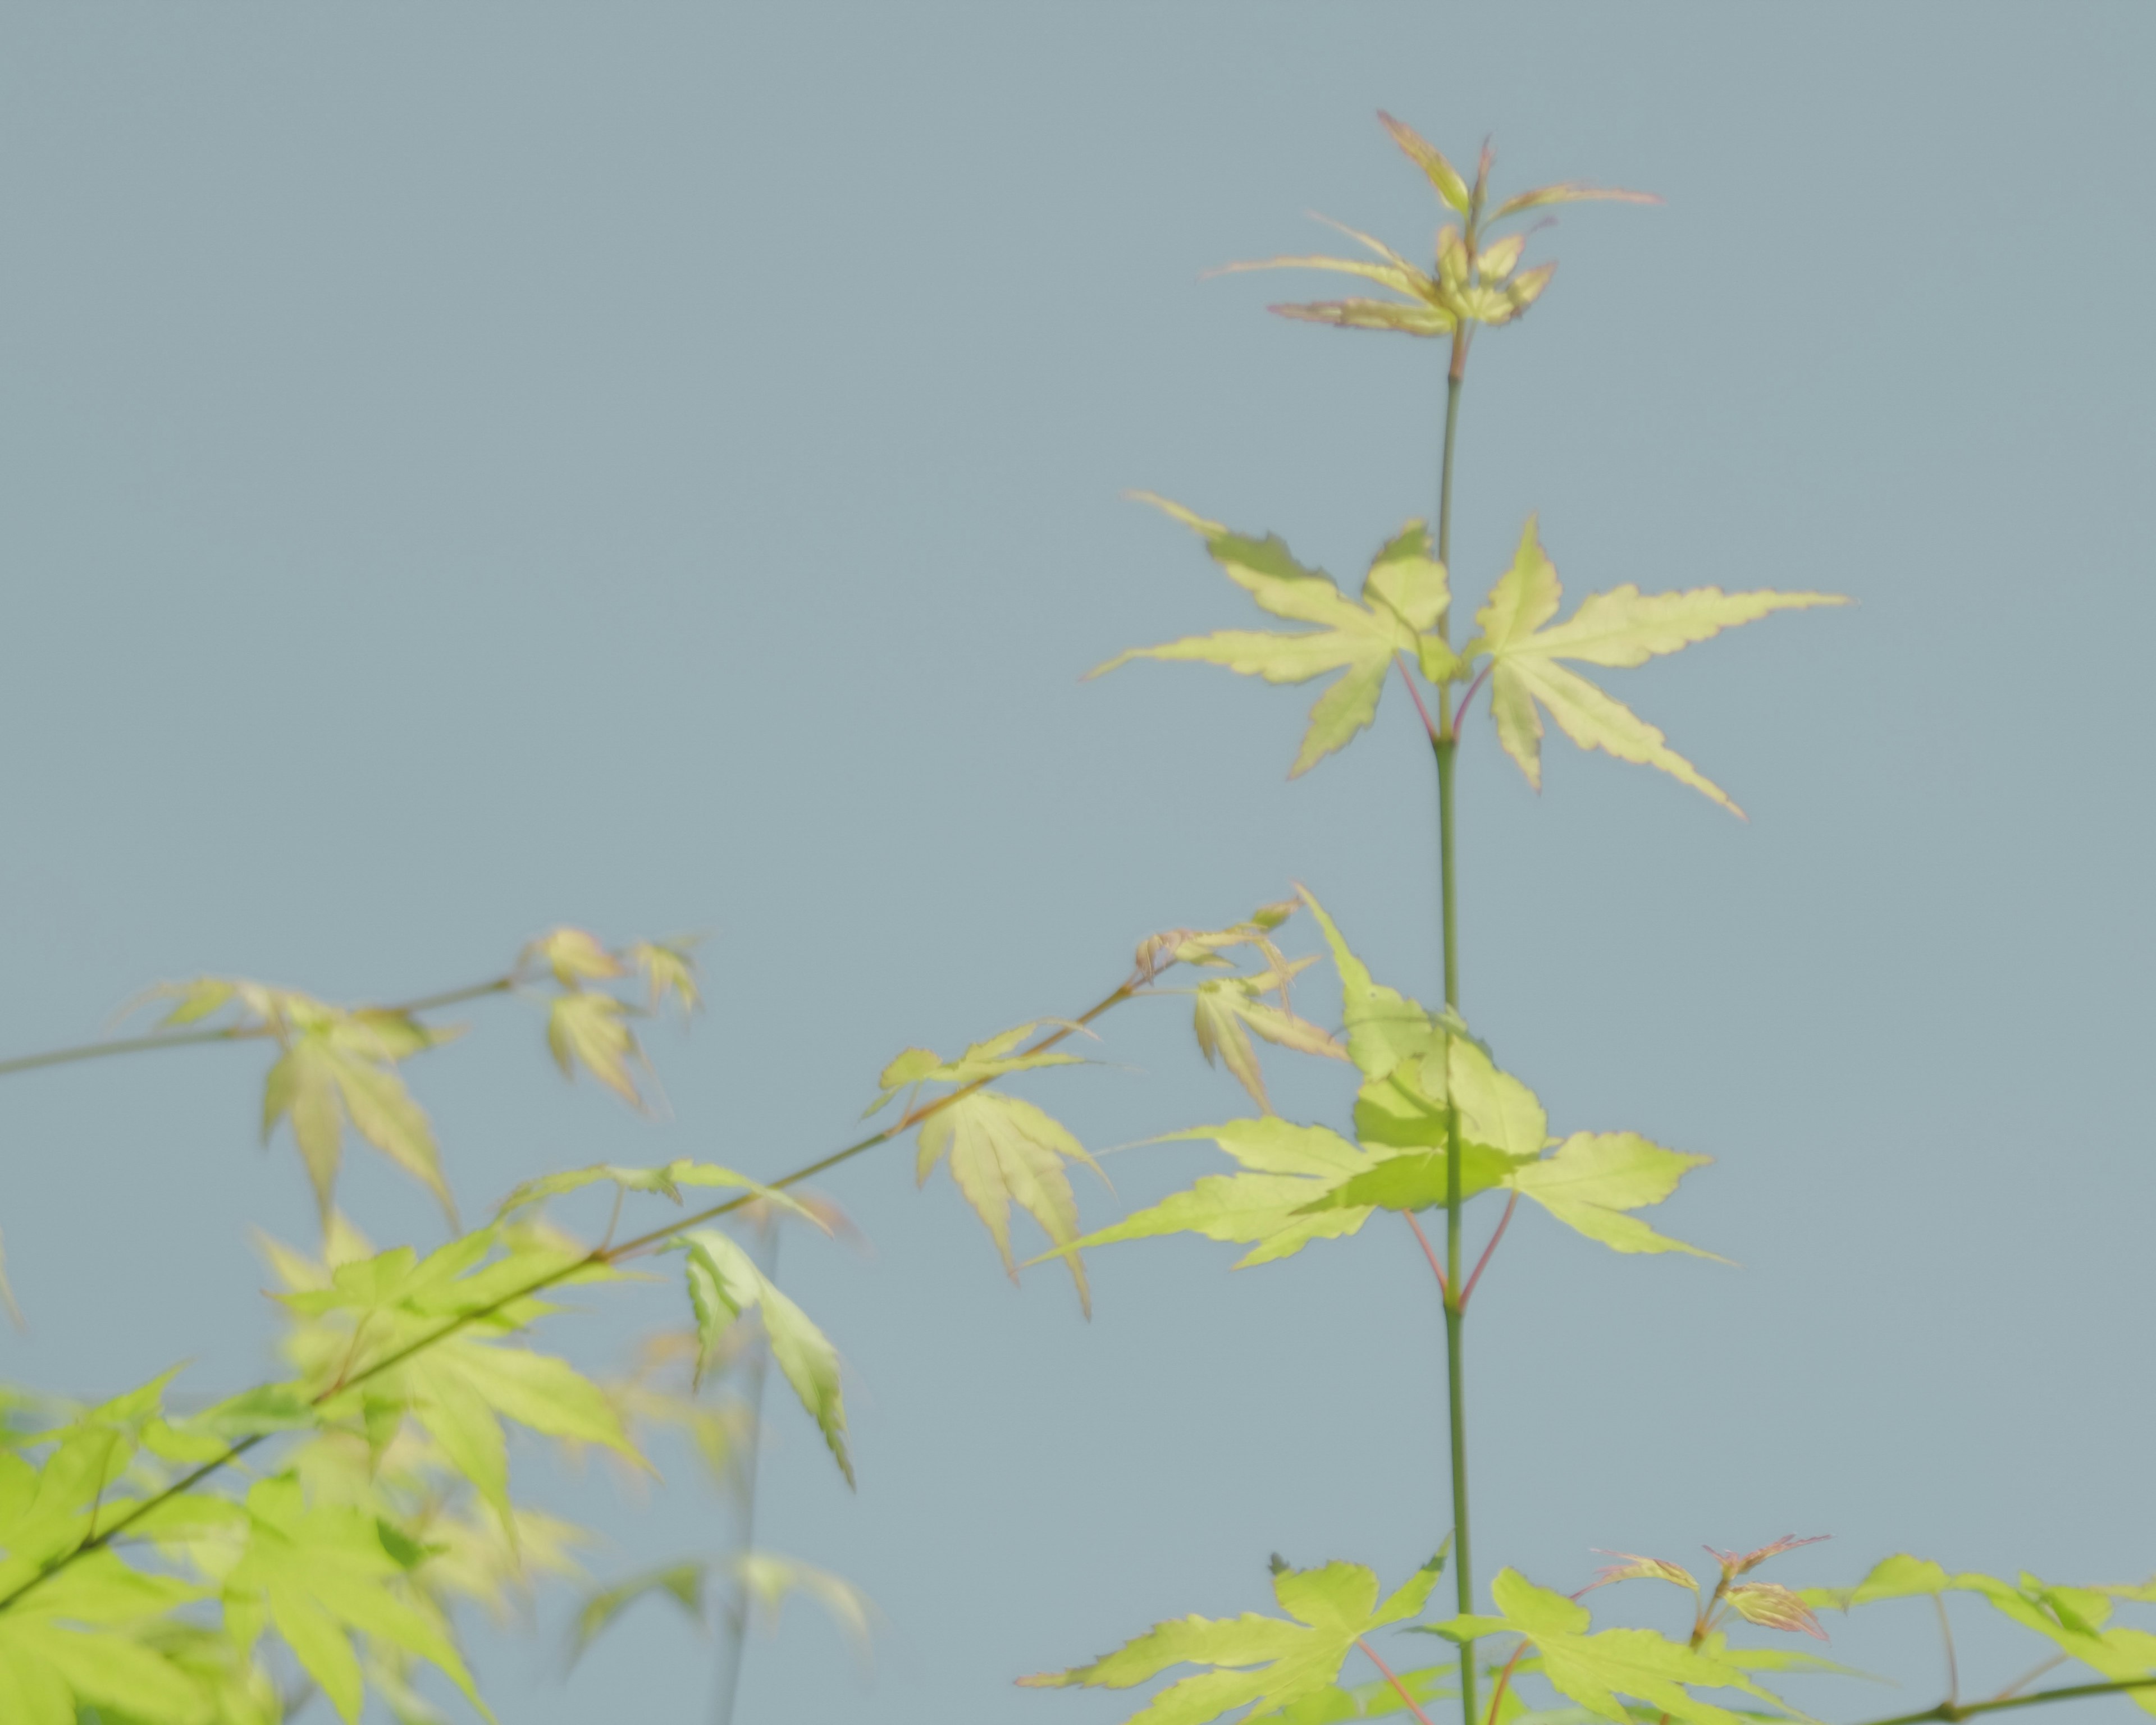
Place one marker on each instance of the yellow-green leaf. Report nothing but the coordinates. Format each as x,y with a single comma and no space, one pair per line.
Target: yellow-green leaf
590,1030
1595,1179
1619,627
1003,1150
1361,639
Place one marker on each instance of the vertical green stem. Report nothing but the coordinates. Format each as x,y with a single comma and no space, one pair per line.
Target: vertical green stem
1446,744
733,1635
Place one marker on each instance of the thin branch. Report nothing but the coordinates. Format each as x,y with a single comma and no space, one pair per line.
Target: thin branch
230,1033
598,1257
1482,1263
1415,696
1473,688
1504,1682
2028,1677
1946,1636
1949,1711
1437,1269
1398,1687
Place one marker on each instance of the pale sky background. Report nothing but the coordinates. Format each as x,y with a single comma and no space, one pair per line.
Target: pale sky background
473,467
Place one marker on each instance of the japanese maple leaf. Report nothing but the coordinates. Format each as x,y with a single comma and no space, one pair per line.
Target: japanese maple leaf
1403,595
1621,627
1271,1661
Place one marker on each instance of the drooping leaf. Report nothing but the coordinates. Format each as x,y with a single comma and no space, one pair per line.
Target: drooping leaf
724,1282
1003,1150
1227,1012
1403,595
1595,1179
1622,627
669,969
339,1067
1596,1669
769,1580
590,1029
681,1583
1273,1662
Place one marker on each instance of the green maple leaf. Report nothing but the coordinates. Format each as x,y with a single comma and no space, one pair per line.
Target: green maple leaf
1267,1207
1329,1610
1404,596
1594,1670
339,1068
1593,1180
724,1282
320,1575
461,1387
2074,1619
1003,1150
589,1030
1621,627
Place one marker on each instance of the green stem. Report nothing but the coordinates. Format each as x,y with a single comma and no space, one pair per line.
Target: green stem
1445,743
598,1257
734,1639
230,1033
1949,1711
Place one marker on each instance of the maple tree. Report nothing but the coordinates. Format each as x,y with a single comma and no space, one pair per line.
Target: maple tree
319,1535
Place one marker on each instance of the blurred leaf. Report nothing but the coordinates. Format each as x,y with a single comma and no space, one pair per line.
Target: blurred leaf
574,957
1442,174
1773,1607
669,969
681,1583
319,1575
724,1281
665,1181
590,1030
769,1580
998,1056
339,1067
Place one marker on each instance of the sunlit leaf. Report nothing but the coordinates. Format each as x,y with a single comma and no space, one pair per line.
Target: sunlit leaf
724,1282
1359,638
1003,1150
1596,1670
1272,1661
1622,627
1593,1180
318,1575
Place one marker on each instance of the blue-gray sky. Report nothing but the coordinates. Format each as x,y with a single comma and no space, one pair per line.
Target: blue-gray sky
470,467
